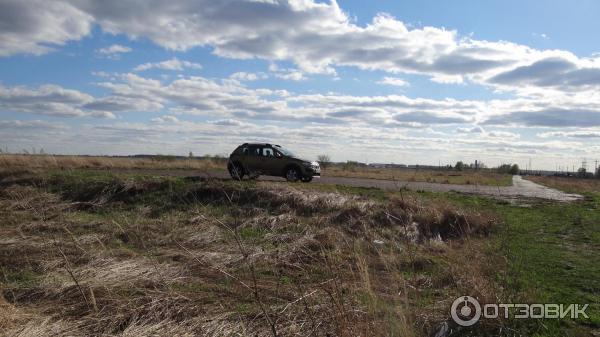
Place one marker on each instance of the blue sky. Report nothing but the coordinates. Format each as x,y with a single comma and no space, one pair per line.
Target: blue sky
378,81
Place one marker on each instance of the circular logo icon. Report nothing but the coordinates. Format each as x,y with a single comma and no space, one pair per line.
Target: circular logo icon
465,311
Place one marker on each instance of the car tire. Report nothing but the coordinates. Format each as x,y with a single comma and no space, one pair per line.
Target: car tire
236,171
292,174
307,179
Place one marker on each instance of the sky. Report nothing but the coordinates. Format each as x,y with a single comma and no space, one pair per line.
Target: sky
412,82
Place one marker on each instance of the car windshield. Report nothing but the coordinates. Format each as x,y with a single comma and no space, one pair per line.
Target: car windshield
285,152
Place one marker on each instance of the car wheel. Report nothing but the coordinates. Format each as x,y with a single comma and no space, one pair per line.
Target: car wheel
292,174
236,171
306,179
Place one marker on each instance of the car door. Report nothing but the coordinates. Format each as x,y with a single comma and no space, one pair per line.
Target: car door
279,163
252,159
268,161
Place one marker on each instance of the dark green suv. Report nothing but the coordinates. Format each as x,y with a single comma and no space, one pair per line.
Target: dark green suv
254,159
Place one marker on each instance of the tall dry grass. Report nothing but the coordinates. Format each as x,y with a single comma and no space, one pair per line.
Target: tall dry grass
467,177
106,162
121,257
568,184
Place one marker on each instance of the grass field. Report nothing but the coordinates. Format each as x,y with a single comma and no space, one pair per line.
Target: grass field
570,185
93,253
467,177
15,161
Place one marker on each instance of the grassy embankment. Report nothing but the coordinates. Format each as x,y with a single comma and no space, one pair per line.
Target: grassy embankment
119,255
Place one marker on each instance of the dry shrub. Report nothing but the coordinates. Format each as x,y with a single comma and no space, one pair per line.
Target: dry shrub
440,220
271,196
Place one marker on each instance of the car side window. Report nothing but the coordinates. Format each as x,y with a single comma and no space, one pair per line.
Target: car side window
254,151
245,151
268,152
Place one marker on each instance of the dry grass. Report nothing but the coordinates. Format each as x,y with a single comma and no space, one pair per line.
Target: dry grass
104,162
155,257
569,185
467,177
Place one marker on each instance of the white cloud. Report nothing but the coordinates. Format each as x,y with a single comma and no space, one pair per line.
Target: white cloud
574,116
447,79
49,100
30,124
165,119
482,133
503,134
113,51
394,81
474,129
227,122
37,26
287,74
370,123
172,64
571,134
324,37
245,76
291,76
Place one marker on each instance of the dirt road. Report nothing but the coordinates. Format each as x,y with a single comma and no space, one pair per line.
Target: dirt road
520,189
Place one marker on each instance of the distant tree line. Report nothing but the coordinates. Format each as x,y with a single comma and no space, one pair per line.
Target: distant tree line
504,168
508,169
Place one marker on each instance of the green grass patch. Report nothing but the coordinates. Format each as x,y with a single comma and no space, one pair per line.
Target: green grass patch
252,233
553,254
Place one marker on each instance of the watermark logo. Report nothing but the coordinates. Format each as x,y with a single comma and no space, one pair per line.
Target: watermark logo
466,311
